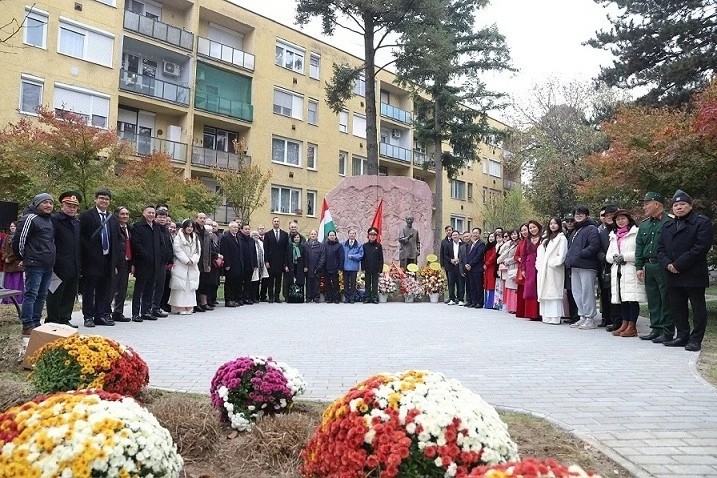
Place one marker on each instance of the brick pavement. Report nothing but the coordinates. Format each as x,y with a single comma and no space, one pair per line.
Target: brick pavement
643,404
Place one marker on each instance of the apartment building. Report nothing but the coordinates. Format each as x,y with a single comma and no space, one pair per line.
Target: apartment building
216,85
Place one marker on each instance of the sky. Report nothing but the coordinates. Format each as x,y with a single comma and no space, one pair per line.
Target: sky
544,36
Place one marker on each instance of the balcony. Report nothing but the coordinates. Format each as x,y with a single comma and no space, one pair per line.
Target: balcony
224,53
223,106
148,86
158,30
395,152
420,158
146,145
396,113
211,158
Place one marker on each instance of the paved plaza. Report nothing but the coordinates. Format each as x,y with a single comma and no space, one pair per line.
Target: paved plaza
642,404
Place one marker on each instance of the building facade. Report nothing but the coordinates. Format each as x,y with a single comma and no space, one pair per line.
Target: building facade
213,85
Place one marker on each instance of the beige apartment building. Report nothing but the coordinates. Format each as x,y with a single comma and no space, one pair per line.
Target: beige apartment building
195,78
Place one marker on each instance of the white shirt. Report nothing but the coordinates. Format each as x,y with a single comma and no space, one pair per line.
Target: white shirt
456,247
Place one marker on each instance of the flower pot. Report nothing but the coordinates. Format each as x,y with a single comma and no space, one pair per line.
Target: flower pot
433,297
382,298
408,298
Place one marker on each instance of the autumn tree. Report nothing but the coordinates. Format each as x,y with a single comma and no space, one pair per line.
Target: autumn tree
21,174
441,61
509,211
244,190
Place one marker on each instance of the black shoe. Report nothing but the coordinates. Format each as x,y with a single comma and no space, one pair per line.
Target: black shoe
68,323
572,320
105,321
277,300
249,302
137,318
121,318
208,307
166,308
652,335
478,306
467,304
662,339
693,347
678,342
375,301
148,317
159,313
198,309
89,322
316,301
230,303
605,323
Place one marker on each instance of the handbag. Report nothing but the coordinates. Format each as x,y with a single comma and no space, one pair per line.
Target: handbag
218,262
296,294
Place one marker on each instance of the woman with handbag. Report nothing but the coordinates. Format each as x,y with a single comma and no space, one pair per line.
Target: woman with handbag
296,276
551,273
185,271
509,268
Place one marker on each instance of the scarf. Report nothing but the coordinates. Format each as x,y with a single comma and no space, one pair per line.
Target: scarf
621,233
295,252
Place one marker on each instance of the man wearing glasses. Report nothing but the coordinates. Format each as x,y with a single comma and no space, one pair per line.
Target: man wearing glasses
582,259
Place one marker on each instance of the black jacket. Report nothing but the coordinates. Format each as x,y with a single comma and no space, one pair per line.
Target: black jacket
248,253
685,242
585,246
372,262
230,249
166,245
334,256
67,245
474,256
315,257
446,253
275,252
93,262
296,270
33,241
146,249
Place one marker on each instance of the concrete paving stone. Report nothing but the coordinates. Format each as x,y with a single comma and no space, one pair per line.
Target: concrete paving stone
702,449
697,459
658,450
693,470
653,459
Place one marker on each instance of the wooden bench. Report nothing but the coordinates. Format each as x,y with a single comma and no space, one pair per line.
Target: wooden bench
11,294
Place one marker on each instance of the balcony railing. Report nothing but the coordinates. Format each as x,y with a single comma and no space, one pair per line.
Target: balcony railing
225,53
146,145
145,85
223,106
212,158
420,158
158,30
395,152
396,113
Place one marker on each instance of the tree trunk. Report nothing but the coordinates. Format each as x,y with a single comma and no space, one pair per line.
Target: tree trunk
370,75
438,196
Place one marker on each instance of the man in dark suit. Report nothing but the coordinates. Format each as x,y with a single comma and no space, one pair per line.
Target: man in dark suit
465,244
474,270
146,255
248,264
99,239
230,248
276,245
166,255
452,256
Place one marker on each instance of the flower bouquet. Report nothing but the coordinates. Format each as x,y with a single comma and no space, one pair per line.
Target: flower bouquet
530,467
386,283
419,422
89,361
432,279
247,388
396,272
411,288
85,433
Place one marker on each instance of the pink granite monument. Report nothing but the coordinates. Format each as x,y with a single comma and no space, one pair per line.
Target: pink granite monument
353,204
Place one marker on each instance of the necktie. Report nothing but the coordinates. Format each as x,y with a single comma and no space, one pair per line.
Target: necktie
277,235
127,244
104,235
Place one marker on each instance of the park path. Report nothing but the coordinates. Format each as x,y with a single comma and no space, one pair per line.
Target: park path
642,404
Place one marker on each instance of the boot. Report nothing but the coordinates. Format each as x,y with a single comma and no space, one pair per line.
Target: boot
630,331
622,328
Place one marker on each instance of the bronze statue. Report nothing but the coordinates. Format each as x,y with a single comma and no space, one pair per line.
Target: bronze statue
410,244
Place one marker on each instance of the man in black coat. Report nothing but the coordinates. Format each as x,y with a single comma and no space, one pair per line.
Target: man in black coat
146,254
248,264
166,255
276,243
582,259
452,256
67,262
99,239
682,251
315,258
474,270
230,249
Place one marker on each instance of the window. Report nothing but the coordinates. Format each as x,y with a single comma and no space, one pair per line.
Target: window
360,85
359,126
286,151
313,116
86,43
342,162
458,189
470,191
93,106
344,121
494,168
315,66
35,28
358,166
30,94
311,153
458,223
111,3
291,57
311,203
288,104
285,200
484,163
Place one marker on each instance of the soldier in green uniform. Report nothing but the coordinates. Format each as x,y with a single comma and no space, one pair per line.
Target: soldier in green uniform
649,270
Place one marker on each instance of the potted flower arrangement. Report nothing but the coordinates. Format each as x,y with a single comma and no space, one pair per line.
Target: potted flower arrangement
247,388
418,422
386,285
411,288
85,433
533,468
89,361
433,281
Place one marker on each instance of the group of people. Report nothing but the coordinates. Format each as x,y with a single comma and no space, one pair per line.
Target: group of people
553,274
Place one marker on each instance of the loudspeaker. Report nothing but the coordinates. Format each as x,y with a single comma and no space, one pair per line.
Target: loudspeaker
8,213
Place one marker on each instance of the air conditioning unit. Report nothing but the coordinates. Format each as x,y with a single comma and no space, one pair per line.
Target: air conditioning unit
396,133
170,69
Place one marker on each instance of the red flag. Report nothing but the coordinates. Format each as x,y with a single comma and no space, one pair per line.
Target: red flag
378,219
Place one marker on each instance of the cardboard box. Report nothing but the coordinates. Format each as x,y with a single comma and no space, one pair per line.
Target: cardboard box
42,335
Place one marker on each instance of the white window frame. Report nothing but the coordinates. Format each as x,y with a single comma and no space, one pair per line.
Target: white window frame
93,94
286,141
343,159
315,120
297,104
344,121
109,3
312,157
484,165
311,196
364,163
281,190
456,189
360,86
295,50
494,168
40,16
31,80
469,191
359,132
455,220
315,72
86,31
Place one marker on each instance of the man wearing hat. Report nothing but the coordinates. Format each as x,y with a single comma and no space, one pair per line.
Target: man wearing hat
166,255
682,252
34,244
649,270
61,301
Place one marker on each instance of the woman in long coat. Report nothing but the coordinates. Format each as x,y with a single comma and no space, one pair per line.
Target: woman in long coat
530,272
551,273
520,275
626,289
185,271
315,260
334,263
489,266
506,259
13,277
296,262
260,272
